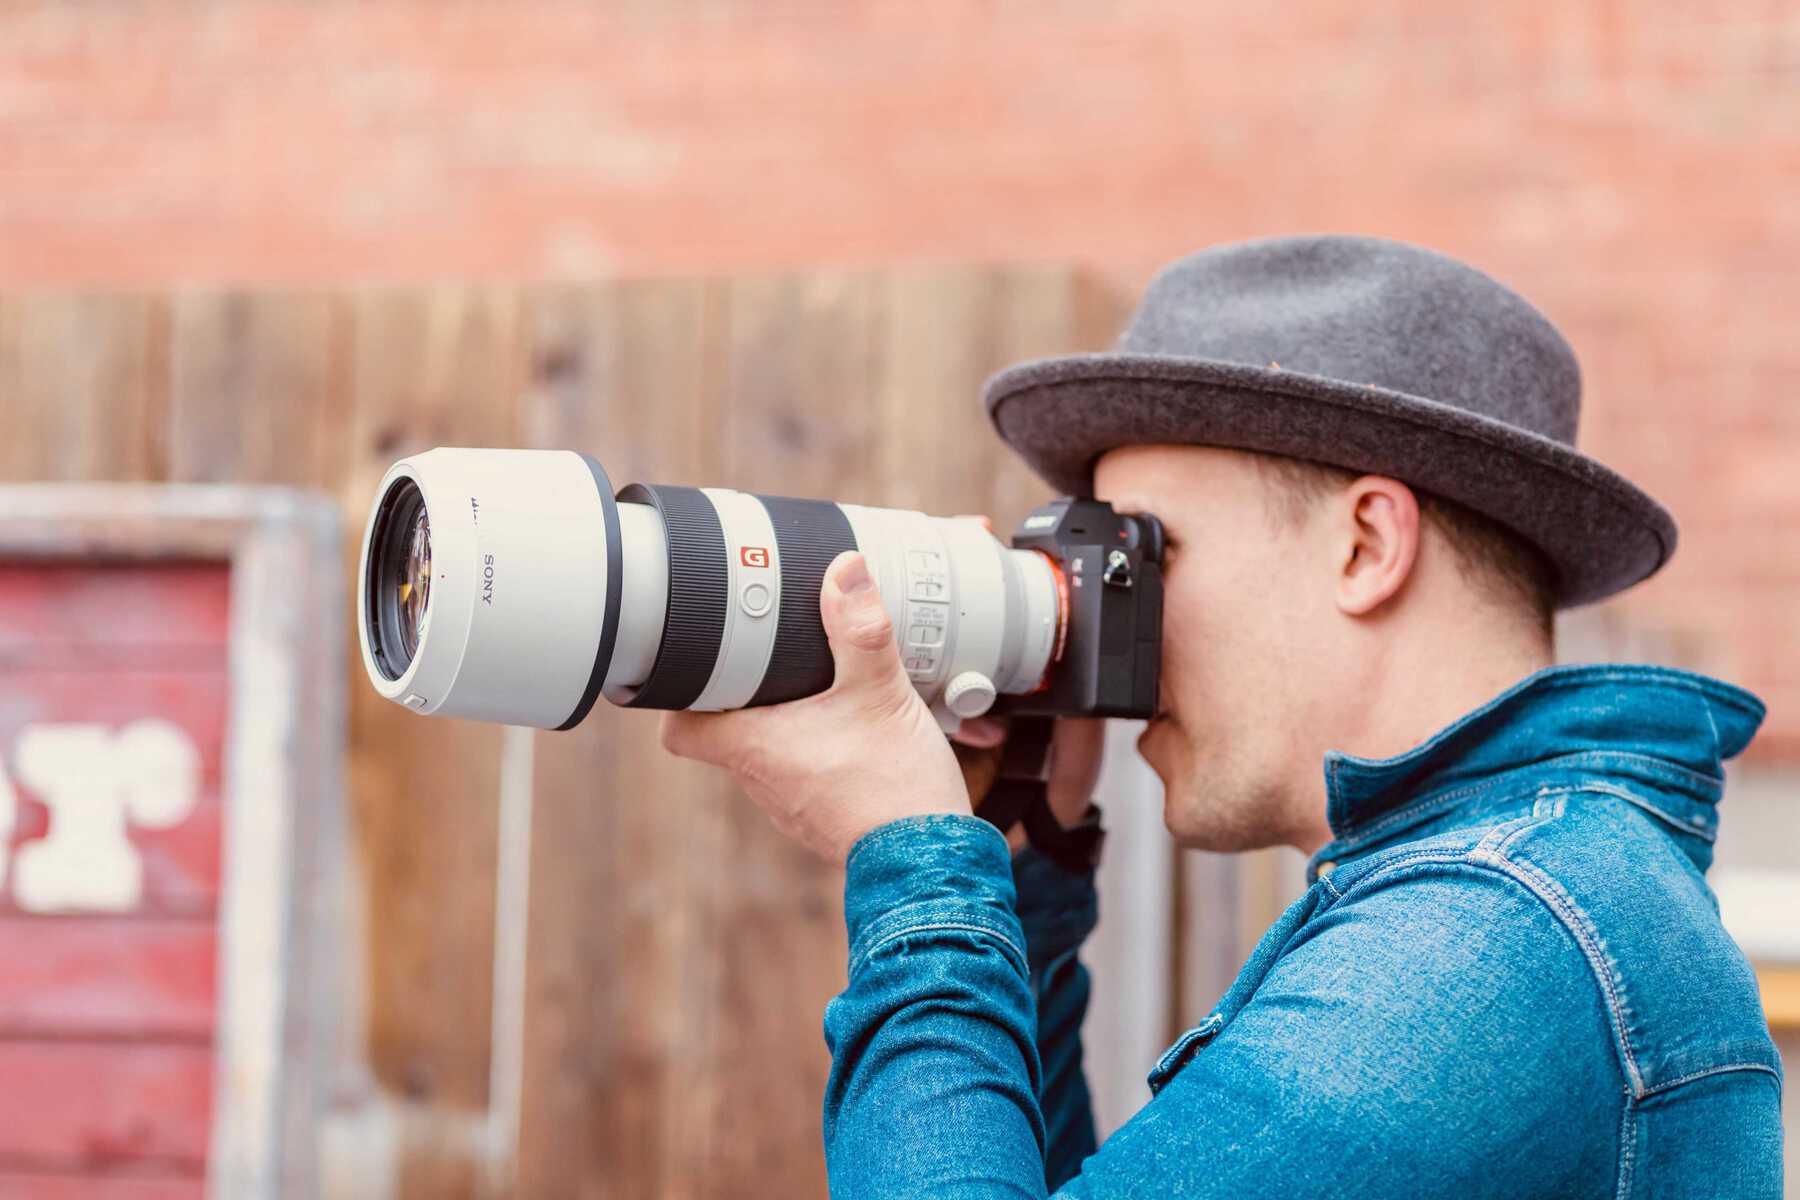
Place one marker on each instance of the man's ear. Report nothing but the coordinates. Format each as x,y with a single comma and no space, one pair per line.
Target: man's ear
1378,541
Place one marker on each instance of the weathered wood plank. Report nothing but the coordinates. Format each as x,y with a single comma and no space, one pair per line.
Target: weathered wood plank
83,386
800,420
427,368
944,331
621,962
257,390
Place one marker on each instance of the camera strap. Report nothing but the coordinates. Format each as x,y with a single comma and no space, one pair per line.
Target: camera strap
1022,793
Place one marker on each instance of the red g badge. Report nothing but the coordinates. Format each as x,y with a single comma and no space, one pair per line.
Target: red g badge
754,556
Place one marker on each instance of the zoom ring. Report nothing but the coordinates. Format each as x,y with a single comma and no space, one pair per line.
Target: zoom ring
699,583
808,535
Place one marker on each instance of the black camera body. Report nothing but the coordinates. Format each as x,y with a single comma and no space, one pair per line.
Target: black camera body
1111,567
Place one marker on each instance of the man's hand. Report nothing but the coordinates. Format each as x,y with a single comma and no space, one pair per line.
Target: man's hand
1076,750
828,768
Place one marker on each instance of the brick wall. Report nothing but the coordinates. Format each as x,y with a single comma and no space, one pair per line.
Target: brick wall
1632,165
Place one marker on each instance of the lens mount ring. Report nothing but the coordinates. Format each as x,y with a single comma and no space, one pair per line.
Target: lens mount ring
1062,621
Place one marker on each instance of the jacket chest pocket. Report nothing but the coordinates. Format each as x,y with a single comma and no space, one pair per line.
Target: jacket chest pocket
1183,1051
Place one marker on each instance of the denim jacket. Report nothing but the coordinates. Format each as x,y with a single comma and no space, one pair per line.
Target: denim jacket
1506,978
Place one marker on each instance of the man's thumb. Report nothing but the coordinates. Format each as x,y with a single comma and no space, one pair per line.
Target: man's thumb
857,624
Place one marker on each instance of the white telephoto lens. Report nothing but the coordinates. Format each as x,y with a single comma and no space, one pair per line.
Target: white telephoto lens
524,568
513,586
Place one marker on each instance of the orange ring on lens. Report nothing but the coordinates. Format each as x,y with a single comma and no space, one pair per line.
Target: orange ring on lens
1062,620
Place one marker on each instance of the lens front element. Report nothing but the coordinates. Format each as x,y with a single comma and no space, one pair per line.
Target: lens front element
414,588
399,583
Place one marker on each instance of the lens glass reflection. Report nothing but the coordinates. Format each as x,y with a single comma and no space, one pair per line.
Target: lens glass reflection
397,587
414,590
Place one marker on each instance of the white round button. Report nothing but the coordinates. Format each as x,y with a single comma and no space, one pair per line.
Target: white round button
970,694
756,599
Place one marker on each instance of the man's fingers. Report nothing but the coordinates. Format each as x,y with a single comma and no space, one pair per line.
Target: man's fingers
679,734
696,735
858,626
979,770
987,522
982,732
1076,754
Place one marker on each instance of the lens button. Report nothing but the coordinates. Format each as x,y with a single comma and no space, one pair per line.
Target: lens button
755,599
970,694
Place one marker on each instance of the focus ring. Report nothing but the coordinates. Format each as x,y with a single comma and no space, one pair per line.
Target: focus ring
699,583
808,535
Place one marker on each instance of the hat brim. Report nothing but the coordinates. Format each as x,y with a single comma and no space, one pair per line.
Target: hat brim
1601,532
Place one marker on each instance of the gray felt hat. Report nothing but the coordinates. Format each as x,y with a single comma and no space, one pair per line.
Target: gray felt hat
1362,353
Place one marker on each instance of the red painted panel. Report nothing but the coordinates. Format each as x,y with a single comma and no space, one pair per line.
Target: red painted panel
194,698
81,1105
107,976
106,614
99,1187
107,1017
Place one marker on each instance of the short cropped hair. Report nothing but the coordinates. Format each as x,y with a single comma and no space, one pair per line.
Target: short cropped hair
1501,565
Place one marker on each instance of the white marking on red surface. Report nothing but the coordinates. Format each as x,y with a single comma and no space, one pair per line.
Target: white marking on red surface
95,783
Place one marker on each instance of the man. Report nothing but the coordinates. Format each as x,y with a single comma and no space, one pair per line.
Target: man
1507,976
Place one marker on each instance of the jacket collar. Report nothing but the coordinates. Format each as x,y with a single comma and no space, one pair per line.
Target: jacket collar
1671,730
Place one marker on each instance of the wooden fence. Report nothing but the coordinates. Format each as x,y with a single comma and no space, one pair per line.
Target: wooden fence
660,956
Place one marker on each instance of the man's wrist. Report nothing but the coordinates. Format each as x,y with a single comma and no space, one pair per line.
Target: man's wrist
1074,846
1020,808
926,871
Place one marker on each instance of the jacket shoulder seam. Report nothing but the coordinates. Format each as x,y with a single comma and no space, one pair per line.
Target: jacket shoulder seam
1381,868
1587,939
1490,855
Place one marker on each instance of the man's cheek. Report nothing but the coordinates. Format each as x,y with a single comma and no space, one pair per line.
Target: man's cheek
1179,689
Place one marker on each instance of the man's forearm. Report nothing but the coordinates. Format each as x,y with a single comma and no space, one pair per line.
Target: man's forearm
935,1073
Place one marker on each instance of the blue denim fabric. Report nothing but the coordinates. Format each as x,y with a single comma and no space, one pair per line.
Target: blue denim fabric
1506,978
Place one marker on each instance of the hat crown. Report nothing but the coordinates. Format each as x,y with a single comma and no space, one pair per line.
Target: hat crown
1366,311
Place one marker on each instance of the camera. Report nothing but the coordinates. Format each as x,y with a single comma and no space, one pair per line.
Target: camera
517,586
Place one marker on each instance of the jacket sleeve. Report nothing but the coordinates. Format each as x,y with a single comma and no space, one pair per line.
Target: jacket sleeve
1392,1046
1058,908
935,1076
